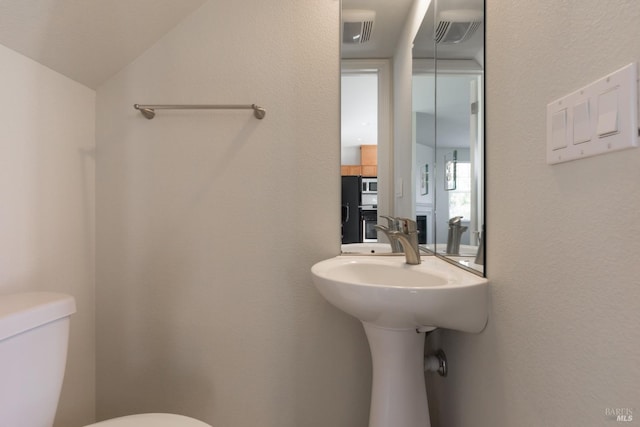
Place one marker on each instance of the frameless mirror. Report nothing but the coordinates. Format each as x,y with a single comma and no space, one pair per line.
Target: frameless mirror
428,166
448,117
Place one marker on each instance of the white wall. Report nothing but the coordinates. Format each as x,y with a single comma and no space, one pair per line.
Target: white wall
403,146
359,114
47,216
209,221
561,345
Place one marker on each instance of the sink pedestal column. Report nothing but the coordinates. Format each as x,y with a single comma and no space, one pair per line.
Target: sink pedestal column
399,395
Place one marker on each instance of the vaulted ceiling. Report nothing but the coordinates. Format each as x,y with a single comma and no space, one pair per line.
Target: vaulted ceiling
88,40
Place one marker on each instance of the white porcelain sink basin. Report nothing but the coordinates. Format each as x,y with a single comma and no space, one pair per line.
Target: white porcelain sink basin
395,300
387,292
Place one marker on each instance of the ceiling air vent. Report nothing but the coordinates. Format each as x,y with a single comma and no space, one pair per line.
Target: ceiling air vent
456,26
357,25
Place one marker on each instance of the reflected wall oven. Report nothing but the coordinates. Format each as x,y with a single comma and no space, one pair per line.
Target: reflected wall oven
369,212
369,219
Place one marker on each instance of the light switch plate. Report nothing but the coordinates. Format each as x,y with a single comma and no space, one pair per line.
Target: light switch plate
600,118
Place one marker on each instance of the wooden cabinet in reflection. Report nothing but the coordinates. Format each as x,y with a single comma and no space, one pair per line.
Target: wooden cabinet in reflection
368,166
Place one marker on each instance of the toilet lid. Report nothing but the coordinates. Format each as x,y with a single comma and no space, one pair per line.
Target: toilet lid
151,420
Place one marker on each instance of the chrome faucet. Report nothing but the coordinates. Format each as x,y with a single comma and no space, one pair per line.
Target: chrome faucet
403,236
455,233
408,238
393,225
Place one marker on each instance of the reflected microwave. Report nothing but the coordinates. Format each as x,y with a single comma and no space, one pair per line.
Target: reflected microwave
369,185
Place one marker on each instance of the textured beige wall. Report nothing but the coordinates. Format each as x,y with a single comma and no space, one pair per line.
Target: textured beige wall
562,343
208,224
47,207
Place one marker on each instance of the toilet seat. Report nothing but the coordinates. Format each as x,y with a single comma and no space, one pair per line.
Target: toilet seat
151,420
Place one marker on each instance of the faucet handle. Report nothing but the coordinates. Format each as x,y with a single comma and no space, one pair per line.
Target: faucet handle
455,221
407,225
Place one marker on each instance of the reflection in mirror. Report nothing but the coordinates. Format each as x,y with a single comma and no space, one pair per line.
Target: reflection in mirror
441,124
366,124
365,146
447,97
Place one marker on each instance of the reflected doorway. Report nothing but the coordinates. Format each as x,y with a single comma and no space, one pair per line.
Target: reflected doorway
365,147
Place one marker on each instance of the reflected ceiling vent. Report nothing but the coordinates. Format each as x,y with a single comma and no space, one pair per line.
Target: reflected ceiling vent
456,26
357,25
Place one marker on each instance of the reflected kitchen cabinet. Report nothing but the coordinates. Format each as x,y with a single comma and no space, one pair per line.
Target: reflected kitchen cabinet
368,166
351,170
369,160
369,155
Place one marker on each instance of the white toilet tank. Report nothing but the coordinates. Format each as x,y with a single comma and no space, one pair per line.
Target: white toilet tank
34,333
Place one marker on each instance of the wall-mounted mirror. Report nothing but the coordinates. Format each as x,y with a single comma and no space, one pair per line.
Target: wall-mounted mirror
448,118
429,158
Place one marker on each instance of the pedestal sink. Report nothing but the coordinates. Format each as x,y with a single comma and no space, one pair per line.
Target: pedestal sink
396,304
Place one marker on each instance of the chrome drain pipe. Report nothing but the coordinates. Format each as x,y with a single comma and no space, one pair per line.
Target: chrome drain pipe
436,363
